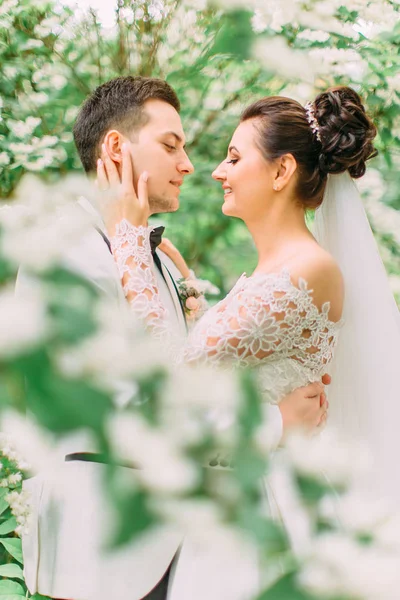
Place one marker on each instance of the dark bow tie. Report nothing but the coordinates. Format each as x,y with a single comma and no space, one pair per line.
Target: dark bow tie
156,237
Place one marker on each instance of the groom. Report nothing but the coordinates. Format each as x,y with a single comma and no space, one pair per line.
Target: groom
62,556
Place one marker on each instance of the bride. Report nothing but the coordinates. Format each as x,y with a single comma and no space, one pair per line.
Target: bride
284,319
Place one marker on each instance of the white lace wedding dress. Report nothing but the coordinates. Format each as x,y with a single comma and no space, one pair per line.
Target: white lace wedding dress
267,322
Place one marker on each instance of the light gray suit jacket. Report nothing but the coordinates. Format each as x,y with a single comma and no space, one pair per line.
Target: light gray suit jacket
63,552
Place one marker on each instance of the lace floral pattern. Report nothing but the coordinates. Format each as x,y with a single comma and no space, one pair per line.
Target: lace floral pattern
132,252
265,321
266,317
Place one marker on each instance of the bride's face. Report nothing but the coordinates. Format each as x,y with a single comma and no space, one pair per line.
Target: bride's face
246,177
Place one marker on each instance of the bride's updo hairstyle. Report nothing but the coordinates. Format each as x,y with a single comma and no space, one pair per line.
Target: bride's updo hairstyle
344,140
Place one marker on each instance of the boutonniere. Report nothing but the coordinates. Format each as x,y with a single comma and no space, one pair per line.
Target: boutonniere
191,292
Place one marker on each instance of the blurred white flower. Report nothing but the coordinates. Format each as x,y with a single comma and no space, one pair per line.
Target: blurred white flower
58,81
358,512
338,61
47,26
23,129
33,44
31,442
23,321
341,566
4,159
163,466
119,350
222,553
259,22
313,35
276,55
43,222
214,391
20,504
326,457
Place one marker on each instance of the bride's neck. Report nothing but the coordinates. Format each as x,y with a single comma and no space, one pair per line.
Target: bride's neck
277,231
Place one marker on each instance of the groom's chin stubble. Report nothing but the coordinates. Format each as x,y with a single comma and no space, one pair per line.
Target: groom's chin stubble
163,205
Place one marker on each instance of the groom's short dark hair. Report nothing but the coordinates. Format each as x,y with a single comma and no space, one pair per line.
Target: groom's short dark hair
117,103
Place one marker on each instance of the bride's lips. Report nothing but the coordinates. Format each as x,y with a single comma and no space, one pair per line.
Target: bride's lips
227,190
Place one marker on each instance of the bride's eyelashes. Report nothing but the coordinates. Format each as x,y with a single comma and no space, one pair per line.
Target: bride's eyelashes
233,161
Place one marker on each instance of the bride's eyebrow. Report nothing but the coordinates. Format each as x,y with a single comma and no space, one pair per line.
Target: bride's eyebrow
233,148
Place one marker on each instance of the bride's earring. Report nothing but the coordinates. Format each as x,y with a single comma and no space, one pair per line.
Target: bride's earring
276,187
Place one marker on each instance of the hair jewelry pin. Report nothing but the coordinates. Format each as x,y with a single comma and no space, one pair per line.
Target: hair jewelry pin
311,118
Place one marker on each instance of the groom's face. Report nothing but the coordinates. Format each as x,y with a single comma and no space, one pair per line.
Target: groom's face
159,148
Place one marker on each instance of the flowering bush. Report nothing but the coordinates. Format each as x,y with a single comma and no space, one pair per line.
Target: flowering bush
14,519
61,342
176,424
219,57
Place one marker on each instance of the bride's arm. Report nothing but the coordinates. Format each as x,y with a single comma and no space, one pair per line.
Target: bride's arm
125,214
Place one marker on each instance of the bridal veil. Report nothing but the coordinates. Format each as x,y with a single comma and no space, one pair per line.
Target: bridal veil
364,395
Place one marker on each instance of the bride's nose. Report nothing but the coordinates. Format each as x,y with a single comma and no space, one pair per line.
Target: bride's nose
220,173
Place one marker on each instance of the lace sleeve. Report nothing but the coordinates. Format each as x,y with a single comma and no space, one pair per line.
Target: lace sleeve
260,317
132,253
264,316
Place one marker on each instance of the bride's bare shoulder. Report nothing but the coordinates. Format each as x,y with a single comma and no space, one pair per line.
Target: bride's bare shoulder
323,275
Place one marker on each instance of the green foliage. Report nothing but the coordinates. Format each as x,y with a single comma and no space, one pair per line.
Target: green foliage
51,63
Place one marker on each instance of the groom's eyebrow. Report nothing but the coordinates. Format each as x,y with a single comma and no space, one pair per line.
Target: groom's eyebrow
178,137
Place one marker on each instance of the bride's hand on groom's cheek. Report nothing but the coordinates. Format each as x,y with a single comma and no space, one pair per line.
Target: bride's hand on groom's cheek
118,198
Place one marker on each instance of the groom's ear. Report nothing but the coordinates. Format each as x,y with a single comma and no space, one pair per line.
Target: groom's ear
113,141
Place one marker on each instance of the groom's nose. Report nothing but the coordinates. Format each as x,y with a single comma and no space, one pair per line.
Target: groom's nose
186,167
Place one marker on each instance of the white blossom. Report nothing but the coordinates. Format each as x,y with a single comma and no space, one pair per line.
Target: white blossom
163,467
338,61
23,129
43,222
4,159
30,440
20,504
275,54
326,457
120,350
313,36
23,321
341,566
225,554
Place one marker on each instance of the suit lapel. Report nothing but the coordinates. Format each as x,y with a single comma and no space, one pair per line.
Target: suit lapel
165,272
175,295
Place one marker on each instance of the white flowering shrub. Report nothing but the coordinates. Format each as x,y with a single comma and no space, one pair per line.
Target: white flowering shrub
14,519
218,56
177,424
313,45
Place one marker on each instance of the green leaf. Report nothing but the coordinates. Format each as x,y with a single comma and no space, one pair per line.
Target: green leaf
11,570
13,547
8,526
285,589
3,503
11,590
250,411
3,506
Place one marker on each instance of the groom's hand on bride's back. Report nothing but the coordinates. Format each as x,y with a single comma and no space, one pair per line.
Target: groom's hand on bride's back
306,407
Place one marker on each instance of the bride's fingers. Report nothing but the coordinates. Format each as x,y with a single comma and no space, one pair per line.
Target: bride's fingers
110,167
143,195
127,168
102,179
